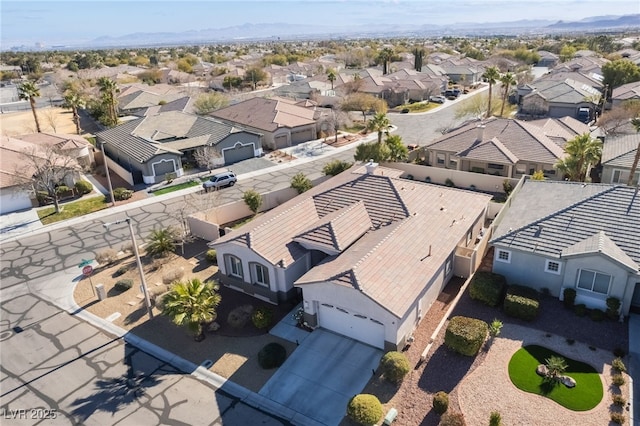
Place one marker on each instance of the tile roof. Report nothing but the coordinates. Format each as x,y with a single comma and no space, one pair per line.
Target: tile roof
565,91
566,214
390,262
600,243
491,151
620,151
627,91
513,139
60,141
266,114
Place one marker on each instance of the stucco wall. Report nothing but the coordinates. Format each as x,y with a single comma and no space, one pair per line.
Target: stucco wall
528,269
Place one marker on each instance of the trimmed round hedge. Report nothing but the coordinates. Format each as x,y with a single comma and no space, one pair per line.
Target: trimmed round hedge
487,287
466,335
394,366
272,355
262,317
365,409
123,285
441,402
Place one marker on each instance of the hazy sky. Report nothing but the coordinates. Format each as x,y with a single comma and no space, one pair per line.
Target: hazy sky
55,22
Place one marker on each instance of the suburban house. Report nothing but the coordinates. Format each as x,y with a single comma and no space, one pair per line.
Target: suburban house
150,147
138,99
557,235
369,252
281,121
626,92
547,59
74,146
551,98
618,153
505,147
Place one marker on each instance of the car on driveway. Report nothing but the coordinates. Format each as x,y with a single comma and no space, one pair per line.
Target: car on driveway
220,180
439,99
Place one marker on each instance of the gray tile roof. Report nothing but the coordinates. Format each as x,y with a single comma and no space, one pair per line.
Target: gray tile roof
619,151
491,151
567,91
600,243
550,217
390,262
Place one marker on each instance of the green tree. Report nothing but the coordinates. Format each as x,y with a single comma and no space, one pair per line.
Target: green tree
507,80
619,72
537,175
208,102
379,123
378,152
109,90
335,167
567,53
331,76
255,75
192,303
636,159
582,151
384,57
556,366
362,102
253,200
301,183
161,242
491,75
231,81
74,101
397,150
29,91
418,56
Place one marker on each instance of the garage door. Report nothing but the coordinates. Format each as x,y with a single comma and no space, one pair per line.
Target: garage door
14,201
352,324
239,153
302,136
281,141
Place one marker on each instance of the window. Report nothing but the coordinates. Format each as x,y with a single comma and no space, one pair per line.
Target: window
521,169
504,256
261,274
552,267
447,267
594,281
440,158
453,164
495,166
549,172
616,176
235,266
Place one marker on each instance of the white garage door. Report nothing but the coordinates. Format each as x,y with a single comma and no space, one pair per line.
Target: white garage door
14,201
352,324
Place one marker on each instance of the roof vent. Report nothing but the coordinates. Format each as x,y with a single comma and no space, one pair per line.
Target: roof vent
371,167
480,134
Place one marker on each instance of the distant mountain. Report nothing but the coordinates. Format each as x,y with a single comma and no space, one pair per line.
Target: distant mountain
277,31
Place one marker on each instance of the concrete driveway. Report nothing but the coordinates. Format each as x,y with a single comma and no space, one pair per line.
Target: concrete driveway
20,222
321,375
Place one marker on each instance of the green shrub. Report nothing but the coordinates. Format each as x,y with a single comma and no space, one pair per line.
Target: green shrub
597,315
618,379
580,309
365,409
62,189
613,307
212,256
487,287
466,335
272,355
301,183
120,271
335,167
394,366
452,419
507,187
449,183
495,419
569,298
618,418
252,199
240,316
618,365
523,291
441,402
262,317
173,276
495,327
120,194
619,400
123,285
83,187
521,307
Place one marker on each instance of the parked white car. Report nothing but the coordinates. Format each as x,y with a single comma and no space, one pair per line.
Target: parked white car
220,180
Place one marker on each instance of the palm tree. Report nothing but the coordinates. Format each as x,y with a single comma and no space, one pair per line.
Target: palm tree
74,101
636,124
161,242
331,76
109,89
192,303
398,151
379,123
556,366
582,151
384,57
491,75
507,80
29,91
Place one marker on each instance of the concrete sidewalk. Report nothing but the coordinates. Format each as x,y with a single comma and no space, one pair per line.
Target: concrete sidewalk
634,368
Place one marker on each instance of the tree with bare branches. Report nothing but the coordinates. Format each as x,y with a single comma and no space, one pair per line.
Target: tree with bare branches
206,157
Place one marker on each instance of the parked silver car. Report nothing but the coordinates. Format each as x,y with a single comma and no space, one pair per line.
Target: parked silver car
220,180
439,99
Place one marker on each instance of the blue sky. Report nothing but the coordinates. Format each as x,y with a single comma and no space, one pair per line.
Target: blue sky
57,22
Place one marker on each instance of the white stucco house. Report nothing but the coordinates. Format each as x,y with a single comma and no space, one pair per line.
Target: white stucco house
558,235
368,252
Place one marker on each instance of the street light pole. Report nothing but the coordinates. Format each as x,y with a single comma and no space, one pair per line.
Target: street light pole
145,291
106,169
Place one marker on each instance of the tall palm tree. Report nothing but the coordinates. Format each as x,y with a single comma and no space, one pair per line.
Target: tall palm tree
29,91
636,123
331,76
109,90
491,75
507,80
379,123
582,151
161,242
74,101
384,57
192,303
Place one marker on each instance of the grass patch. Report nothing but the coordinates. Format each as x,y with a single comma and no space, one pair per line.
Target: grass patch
418,106
355,128
177,187
73,209
586,395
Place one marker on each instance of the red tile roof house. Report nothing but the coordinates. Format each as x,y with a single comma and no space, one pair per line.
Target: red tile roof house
280,121
369,251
